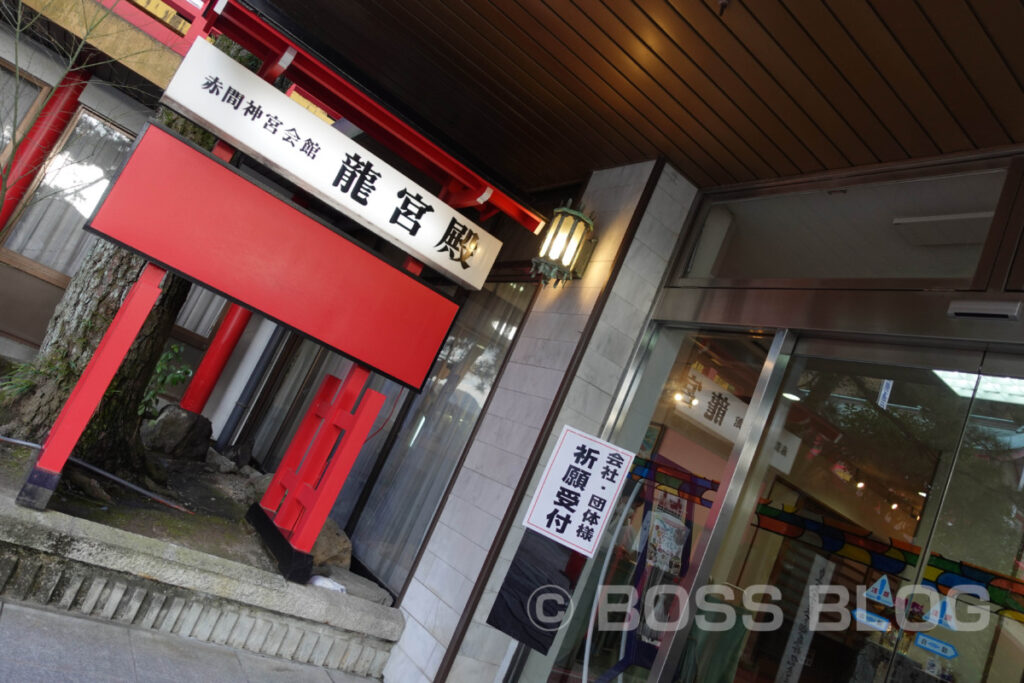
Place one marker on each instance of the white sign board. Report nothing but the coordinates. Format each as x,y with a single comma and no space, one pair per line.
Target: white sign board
254,116
721,413
578,490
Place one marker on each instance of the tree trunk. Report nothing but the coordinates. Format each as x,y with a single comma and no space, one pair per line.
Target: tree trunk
83,315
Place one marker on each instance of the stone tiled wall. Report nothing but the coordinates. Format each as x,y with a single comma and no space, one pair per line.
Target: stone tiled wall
508,430
524,396
588,403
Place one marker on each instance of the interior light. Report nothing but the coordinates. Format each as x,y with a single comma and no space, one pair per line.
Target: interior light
860,484
922,494
695,401
895,505
791,397
997,389
678,397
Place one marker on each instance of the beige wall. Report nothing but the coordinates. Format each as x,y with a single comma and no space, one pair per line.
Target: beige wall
113,36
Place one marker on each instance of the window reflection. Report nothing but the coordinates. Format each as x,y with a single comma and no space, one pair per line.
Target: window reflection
16,98
49,231
684,424
432,437
862,502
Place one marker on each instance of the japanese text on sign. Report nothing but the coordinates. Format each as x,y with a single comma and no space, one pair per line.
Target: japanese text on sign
578,490
715,409
251,114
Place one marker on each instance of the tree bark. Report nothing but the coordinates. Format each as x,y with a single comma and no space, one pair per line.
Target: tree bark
83,315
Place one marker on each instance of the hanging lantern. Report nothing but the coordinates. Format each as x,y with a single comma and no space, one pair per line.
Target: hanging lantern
567,247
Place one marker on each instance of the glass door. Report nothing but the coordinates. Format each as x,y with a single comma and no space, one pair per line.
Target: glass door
685,420
977,536
872,460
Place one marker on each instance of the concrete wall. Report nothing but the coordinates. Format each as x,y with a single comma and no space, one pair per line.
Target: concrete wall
510,427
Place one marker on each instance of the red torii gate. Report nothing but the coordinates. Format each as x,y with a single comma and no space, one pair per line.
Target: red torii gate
461,187
335,94
254,248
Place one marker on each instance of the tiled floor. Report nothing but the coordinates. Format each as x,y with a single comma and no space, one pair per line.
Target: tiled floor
40,646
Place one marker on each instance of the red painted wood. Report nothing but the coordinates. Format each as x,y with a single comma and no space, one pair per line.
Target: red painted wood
223,151
412,265
156,29
216,357
318,506
315,415
320,456
322,85
40,140
302,483
181,208
100,370
334,93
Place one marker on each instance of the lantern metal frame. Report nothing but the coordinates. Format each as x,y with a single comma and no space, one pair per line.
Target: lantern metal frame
567,247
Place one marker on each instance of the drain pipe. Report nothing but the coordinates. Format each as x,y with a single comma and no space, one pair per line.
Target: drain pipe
250,388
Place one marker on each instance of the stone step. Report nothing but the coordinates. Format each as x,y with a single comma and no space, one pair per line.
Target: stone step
73,565
54,582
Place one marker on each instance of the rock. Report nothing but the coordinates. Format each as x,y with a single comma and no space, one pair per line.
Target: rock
240,453
356,585
258,486
89,485
247,471
219,462
155,468
178,433
332,546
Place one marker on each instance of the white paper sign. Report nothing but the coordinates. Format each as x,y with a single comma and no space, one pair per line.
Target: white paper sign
254,116
578,490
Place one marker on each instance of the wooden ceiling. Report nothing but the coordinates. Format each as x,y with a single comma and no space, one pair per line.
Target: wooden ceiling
535,94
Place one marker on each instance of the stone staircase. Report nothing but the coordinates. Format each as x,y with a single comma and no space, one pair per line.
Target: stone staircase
70,564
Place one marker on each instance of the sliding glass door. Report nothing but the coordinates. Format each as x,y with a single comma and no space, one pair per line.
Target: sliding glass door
884,519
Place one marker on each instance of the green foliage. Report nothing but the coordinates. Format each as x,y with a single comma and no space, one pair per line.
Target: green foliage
237,53
169,372
23,377
187,129
193,131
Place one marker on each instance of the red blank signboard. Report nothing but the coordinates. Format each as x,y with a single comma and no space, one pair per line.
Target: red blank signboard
183,209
